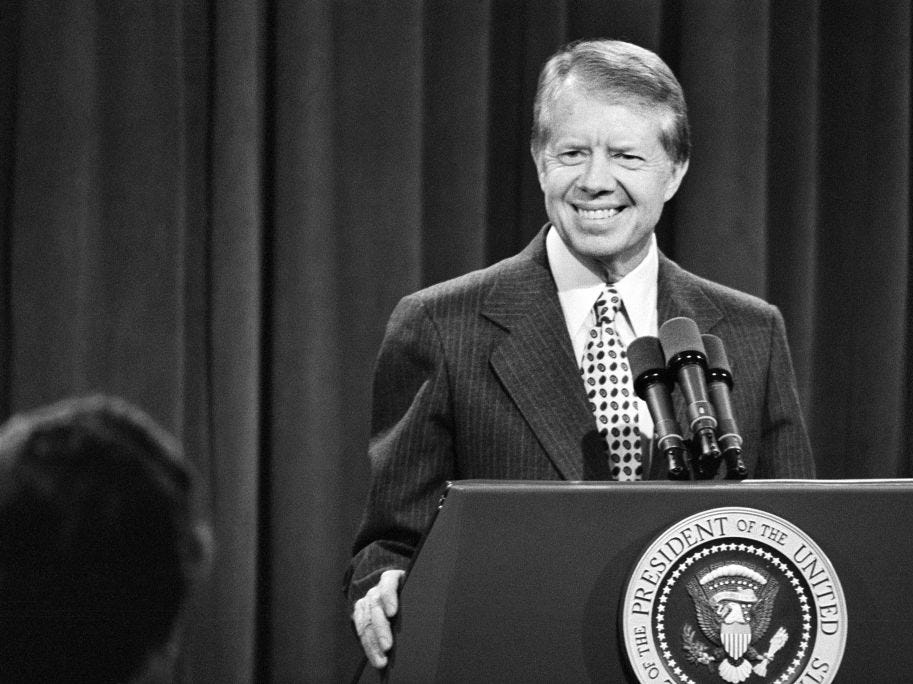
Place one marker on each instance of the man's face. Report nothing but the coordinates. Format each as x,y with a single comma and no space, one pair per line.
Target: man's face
605,176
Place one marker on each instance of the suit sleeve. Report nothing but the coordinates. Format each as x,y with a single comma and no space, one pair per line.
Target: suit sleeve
411,446
785,445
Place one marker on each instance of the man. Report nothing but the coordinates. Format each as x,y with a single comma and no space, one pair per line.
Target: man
101,544
518,371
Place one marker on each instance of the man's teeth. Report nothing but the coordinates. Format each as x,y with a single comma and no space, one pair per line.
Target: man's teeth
597,214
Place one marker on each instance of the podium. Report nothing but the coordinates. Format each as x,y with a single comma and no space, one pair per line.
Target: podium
528,581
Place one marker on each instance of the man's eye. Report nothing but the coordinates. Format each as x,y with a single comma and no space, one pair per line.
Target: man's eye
571,156
629,160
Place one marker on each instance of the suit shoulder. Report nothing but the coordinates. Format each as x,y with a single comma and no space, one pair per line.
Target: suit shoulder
729,300
736,299
470,286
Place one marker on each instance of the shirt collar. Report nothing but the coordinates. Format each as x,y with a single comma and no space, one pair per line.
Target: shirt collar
578,286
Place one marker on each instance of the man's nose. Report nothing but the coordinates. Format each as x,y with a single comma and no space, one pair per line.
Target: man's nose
598,175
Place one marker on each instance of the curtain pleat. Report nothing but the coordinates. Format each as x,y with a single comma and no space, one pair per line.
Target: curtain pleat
721,210
456,40
792,192
236,335
9,72
864,204
315,484
93,96
211,208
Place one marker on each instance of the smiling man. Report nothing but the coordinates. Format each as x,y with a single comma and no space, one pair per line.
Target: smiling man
606,177
519,371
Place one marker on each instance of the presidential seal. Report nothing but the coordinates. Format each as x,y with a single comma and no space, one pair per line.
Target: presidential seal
734,595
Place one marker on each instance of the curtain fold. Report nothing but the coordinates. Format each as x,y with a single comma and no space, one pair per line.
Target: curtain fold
720,215
863,250
211,209
235,354
792,191
456,42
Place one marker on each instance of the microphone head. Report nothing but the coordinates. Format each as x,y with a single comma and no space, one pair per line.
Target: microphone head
680,336
645,355
716,353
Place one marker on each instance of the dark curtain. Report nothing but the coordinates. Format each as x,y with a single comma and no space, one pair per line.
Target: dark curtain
210,208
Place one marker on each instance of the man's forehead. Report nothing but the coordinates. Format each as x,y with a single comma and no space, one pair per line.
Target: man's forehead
575,88
624,117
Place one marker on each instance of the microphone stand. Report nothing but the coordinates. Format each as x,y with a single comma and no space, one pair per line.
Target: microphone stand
687,461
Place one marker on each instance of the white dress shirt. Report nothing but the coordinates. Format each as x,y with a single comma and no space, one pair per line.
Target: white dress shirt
578,289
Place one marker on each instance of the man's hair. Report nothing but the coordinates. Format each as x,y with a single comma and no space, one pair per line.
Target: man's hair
101,541
619,71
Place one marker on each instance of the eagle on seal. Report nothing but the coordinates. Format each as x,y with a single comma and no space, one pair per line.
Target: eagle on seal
733,604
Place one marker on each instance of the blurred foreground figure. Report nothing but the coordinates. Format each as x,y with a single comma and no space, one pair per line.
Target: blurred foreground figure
100,544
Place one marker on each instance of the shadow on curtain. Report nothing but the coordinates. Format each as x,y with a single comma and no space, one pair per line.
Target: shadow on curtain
211,209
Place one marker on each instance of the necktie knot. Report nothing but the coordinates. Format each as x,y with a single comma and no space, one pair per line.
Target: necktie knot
607,305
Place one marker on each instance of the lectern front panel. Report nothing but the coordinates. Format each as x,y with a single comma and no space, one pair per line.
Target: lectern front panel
525,582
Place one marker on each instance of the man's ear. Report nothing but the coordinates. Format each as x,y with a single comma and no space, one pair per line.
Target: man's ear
675,180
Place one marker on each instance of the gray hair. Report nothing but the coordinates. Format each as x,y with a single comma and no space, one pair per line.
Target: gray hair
613,68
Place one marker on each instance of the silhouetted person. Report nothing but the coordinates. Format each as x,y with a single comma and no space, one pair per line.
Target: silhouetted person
101,542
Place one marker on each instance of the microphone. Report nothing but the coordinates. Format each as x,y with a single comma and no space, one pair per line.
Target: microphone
687,361
652,384
719,384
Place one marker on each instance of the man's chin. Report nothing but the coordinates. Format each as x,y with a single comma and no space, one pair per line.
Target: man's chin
610,254
597,246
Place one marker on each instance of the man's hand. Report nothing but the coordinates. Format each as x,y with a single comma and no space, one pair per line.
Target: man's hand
372,615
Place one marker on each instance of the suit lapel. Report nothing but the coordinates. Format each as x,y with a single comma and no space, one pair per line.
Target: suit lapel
535,361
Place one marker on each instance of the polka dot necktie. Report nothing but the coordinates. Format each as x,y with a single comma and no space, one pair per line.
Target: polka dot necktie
610,390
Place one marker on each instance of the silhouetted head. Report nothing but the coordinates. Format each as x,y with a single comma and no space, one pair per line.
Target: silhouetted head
101,541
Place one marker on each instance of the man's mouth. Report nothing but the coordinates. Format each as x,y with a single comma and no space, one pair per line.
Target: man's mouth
599,214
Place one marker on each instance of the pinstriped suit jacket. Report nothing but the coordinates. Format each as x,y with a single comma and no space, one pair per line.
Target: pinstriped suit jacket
476,378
